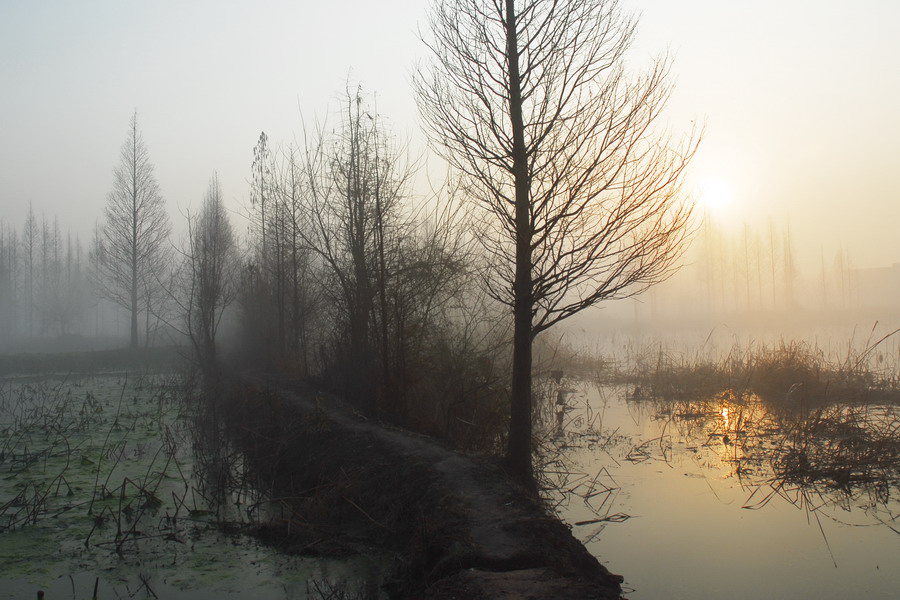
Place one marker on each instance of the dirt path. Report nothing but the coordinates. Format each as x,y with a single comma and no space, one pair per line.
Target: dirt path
463,530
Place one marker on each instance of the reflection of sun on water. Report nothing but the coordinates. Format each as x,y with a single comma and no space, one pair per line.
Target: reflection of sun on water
730,451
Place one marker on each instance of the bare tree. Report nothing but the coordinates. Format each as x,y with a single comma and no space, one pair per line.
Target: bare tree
295,302
260,191
50,302
96,257
29,245
135,230
8,277
530,102
276,297
210,264
74,291
356,179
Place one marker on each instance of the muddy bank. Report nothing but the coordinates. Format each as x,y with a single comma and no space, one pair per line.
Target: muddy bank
455,526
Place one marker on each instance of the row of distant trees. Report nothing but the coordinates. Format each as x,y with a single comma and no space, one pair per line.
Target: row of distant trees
51,286
561,194
752,270
748,271
43,279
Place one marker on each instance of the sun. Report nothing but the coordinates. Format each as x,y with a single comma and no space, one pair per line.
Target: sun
716,196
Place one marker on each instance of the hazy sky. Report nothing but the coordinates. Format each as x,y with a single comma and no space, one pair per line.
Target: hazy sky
799,99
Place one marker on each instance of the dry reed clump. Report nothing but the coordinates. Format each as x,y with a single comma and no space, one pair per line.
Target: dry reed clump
843,447
831,426
670,376
789,374
556,357
797,374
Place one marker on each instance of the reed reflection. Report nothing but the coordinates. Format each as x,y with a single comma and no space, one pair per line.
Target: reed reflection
838,452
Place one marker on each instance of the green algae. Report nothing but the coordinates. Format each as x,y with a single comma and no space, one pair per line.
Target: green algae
100,482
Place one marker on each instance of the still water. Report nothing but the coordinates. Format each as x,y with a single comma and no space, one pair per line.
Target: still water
110,487
718,498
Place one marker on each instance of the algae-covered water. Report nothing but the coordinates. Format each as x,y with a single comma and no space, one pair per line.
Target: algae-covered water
104,482
727,497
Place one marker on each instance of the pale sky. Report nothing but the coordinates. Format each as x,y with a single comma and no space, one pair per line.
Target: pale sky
799,98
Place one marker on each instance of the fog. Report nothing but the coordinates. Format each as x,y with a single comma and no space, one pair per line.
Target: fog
799,127
285,289
797,103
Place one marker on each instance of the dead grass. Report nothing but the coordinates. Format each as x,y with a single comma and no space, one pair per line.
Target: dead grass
791,374
843,447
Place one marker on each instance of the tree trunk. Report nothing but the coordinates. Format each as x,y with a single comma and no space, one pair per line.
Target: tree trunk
134,236
519,450
134,297
147,320
134,321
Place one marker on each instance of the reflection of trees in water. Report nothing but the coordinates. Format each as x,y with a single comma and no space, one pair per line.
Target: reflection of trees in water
825,459
232,483
568,424
838,455
841,456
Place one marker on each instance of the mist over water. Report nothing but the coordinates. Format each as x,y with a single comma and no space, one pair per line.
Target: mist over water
754,450
695,498
303,204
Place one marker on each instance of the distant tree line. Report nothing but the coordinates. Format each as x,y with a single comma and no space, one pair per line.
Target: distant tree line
753,270
420,306
750,270
44,286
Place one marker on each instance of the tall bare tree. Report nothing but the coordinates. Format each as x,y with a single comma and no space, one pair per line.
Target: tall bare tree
29,246
356,180
74,295
295,296
50,302
530,102
260,191
8,277
211,262
135,230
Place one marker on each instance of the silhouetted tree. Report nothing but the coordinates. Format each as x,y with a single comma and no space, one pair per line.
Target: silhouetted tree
29,247
49,304
355,183
209,284
8,280
294,290
74,292
260,191
529,101
134,232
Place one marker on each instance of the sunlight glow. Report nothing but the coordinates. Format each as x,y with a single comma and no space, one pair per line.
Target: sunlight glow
716,196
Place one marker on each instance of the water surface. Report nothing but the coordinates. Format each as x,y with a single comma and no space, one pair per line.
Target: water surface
110,480
694,506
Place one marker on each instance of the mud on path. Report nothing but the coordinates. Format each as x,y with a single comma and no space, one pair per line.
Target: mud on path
456,526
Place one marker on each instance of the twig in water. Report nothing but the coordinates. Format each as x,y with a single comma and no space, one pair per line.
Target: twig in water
356,506
146,584
616,518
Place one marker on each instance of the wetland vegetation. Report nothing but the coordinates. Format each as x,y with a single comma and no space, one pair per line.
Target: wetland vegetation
112,486
769,471
350,386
